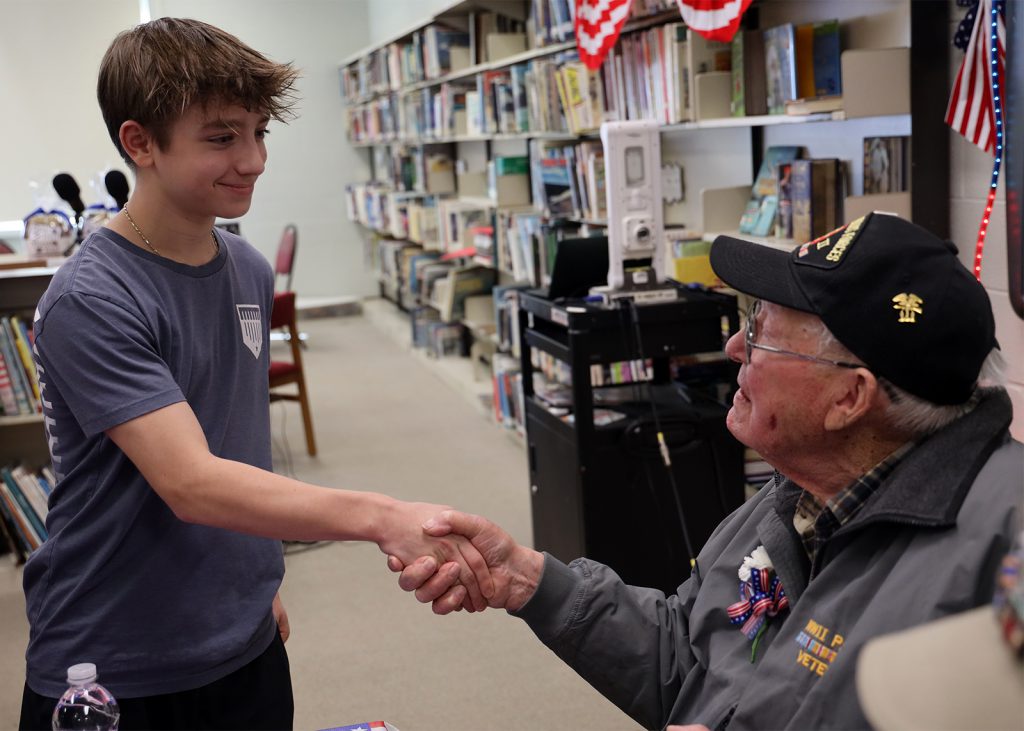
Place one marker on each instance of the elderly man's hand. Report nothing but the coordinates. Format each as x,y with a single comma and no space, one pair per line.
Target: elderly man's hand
464,573
514,569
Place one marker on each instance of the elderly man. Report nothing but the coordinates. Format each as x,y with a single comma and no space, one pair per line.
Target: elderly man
866,381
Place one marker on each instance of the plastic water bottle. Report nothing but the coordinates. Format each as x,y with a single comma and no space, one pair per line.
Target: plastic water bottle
86,705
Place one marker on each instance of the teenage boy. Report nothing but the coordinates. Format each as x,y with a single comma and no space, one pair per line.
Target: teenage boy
164,557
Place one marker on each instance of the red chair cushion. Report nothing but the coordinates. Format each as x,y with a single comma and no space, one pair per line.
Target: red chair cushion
283,311
280,368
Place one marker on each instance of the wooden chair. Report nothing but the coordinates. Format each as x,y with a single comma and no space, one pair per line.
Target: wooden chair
283,372
284,268
285,260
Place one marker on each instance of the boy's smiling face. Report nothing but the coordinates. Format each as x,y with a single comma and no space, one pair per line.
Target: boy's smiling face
211,161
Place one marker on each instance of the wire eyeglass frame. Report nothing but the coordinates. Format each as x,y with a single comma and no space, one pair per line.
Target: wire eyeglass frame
750,337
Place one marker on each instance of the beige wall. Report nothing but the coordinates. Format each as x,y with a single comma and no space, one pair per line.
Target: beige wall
49,57
50,52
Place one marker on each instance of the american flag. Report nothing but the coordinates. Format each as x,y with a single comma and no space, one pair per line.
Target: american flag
970,111
716,20
598,24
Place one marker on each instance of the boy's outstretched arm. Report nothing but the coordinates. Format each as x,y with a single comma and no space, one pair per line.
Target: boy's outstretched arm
515,570
170,450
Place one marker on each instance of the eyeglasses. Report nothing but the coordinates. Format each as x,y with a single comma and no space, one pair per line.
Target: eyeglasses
751,337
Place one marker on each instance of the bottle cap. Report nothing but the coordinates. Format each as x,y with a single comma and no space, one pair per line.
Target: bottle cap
82,673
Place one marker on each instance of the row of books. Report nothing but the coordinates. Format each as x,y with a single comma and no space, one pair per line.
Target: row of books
648,75
667,73
445,224
19,382
802,199
452,45
414,277
555,372
569,180
527,243
519,241
428,53
778,70
437,338
24,499
514,100
795,198
463,41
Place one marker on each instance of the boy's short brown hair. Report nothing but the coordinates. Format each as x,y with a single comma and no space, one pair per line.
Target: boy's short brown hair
154,72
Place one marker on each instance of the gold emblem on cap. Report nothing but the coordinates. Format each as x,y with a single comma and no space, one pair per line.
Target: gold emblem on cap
909,306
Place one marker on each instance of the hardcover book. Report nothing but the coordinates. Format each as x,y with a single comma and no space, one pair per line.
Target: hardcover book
780,67
828,79
800,182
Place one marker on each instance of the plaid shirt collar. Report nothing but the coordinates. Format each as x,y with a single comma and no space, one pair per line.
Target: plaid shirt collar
815,521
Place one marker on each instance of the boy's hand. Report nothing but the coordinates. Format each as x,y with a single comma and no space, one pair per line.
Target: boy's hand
514,569
407,541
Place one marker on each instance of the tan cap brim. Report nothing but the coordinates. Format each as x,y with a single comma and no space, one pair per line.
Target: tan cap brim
953,673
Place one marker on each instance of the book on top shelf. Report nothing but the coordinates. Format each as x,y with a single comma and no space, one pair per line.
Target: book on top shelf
780,67
755,88
827,69
803,50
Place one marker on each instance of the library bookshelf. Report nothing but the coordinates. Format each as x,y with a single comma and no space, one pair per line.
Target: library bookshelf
21,435
450,110
24,456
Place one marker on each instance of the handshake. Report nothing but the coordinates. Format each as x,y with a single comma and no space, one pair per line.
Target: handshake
471,564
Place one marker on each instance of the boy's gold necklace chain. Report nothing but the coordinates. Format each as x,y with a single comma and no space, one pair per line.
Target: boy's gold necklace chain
124,209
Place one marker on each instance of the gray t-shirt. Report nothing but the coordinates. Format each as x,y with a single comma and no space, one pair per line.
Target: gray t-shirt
158,604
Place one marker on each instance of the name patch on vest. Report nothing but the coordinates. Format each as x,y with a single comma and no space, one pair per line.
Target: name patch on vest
818,647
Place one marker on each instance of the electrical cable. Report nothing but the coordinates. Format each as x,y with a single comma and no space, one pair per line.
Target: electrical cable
662,446
635,386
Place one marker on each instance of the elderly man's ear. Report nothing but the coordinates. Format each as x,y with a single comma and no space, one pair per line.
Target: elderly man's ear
856,393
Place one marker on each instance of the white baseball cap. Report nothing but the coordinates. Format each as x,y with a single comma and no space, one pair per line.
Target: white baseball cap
965,671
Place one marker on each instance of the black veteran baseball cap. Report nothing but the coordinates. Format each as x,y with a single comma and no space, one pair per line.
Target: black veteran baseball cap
890,291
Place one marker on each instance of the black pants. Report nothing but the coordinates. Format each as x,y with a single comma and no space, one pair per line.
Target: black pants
257,696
